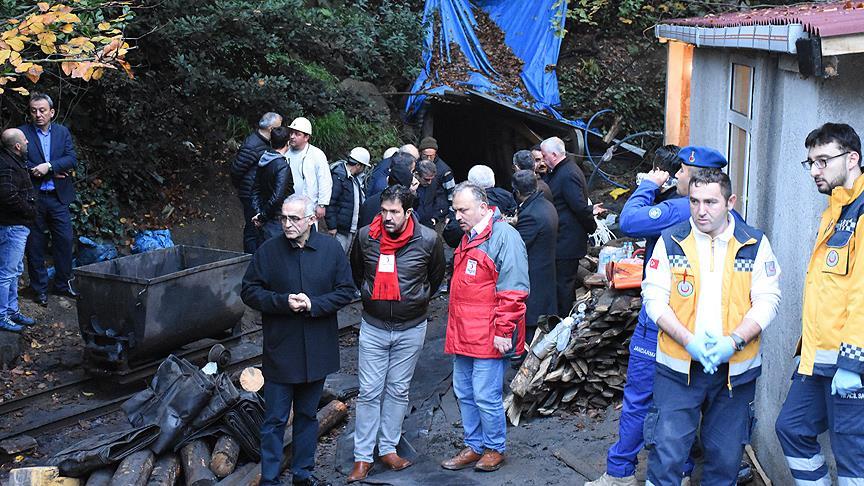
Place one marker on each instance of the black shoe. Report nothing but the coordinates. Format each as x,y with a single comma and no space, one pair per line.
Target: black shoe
65,292
310,481
21,319
42,299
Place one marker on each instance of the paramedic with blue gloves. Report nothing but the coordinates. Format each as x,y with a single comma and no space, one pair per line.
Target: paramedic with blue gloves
649,211
711,286
826,392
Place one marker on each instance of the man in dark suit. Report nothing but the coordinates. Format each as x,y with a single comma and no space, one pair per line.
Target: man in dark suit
575,217
537,223
298,281
51,160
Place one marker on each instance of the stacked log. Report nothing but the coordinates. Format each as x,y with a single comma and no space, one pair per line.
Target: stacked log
590,371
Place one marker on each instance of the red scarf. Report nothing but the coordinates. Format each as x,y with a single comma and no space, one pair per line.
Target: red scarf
386,281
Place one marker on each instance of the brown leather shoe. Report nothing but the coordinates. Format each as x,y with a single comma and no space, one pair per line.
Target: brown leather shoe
490,461
465,458
394,462
360,471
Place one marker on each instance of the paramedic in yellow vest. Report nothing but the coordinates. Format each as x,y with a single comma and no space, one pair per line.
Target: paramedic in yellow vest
711,286
826,392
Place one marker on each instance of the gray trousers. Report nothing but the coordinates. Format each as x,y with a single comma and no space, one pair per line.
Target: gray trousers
386,366
345,239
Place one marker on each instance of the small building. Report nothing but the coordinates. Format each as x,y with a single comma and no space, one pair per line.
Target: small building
753,84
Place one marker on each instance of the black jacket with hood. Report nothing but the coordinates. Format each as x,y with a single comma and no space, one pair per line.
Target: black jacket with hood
273,183
244,165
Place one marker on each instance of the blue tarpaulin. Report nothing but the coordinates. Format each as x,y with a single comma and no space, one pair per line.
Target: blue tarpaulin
533,30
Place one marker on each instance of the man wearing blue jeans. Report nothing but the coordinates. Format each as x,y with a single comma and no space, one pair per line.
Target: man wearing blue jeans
398,265
17,212
485,325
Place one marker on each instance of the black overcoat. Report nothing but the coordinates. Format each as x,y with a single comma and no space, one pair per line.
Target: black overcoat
299,347
575,215
537,223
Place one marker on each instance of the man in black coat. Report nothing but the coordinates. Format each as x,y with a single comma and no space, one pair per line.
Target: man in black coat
523,160
299,282
537,223
444,175
346,197
273,183
401,172
243,173
575,217
432,203
51,160
17,213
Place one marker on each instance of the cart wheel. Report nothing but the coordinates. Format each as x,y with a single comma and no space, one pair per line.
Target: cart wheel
219,355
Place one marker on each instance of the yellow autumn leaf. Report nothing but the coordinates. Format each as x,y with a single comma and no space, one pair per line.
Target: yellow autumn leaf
9,34
67,28
103,26
47,38
15,58
43,6
20,68
69,17
4,55
13,21
2,90
16,44
97,73
36,27
48,48
67,67
34,73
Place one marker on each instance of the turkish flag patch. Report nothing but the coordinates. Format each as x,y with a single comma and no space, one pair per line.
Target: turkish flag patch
653,263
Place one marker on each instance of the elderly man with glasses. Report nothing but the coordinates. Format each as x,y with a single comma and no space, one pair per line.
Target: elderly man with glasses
826,392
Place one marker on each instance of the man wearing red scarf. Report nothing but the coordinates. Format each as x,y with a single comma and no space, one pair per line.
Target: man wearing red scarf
398,265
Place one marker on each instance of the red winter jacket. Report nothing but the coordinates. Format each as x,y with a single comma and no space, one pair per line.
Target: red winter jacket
488,292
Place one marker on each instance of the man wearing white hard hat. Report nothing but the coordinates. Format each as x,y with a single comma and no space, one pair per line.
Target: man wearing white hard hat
309,166
347,196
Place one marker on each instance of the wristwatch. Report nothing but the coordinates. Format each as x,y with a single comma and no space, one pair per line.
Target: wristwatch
739,341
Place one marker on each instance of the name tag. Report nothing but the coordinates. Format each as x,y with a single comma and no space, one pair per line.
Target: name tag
471,268
387,263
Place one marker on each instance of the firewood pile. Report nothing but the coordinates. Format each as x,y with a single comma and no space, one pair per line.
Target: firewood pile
586,369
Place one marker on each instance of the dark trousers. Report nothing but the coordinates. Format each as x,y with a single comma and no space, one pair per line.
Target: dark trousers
278,398
52,216
268,230
726,419
566,276
250,234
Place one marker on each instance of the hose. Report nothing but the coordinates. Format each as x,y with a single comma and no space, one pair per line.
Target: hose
591,158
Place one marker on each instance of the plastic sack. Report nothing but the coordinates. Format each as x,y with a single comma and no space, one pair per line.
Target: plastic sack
177,394
102,450
149,240
625,274
92,251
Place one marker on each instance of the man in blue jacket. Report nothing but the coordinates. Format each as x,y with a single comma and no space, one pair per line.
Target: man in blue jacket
650,210
51,160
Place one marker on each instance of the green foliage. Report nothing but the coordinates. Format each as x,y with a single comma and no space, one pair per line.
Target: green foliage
338,134
96,210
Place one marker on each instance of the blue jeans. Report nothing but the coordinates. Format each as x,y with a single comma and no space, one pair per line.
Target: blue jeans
810,409
12,242
726,417
478,385
51,216
278,398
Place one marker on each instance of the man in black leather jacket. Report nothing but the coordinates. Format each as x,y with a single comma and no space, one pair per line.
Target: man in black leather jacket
273,183
243,173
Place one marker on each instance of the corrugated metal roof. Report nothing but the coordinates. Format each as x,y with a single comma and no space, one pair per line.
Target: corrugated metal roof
823,19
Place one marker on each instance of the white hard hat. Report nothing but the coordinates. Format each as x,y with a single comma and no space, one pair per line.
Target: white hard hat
361,155
301,125
390,151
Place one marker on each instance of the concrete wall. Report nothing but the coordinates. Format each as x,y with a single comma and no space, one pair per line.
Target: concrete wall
783,200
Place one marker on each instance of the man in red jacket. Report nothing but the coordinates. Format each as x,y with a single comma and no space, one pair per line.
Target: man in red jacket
485,325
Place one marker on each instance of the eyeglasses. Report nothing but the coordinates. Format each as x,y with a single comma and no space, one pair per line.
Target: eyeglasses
821,162
293,219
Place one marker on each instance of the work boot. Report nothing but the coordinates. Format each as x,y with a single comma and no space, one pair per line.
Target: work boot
6,324
607,480
42,299
360,471
465,458
394,462
490,461
21,319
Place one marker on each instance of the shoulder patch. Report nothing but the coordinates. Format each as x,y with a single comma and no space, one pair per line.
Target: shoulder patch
655,213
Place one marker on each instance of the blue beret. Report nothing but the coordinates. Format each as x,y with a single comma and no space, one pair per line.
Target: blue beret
704,157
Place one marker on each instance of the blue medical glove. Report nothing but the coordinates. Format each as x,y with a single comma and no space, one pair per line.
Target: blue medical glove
722,351
698,349
845,382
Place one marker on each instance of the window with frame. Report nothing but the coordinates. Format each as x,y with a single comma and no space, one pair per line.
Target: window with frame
739,132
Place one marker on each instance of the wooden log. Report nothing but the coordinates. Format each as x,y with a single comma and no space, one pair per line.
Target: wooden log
248,474
40,476
134,469
17,445
225,454
100,477
251,379
753,460
195,458
165,472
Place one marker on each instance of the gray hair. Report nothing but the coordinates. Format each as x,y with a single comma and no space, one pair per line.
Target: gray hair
482,175
40,97
410,149
269,119
553,145
308,203
426,167
476,191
